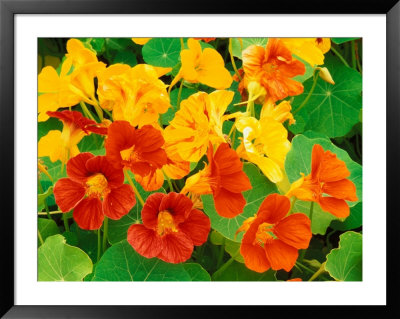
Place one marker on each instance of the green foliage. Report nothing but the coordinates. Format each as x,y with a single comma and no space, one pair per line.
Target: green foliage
239,272
345,263
170,114
351,222
332,109
307,74
240,44
46,228
342,40
58,261
228,226
42,197
196,272
122,263
164,52
125,57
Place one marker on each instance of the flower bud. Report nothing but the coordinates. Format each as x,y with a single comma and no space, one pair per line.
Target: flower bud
325,75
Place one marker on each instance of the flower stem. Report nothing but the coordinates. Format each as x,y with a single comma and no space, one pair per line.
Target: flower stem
171,188
221,253
134,187
304,267
40,237
45,201
105,233
178,101
86,110
224,266
182,44
98,244
309,94
318,272
311,211
65,219
233,60
339,56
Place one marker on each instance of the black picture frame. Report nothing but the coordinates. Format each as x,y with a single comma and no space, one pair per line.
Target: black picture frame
8,10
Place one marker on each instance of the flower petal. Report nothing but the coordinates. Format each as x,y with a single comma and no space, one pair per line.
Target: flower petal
273,208
177,248
88,214
100,164
228,204
67,194
196,226
151,209
294,230
281,255
343,189
178,205
119,202
76,167
145,241
335,206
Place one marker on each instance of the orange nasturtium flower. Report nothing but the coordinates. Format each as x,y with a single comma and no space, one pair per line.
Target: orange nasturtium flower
273,240
328,176
139,150
93,189
64,145
224,178
265,144
205,39
136,95
273,67
311,50
205,67
198,121
171,228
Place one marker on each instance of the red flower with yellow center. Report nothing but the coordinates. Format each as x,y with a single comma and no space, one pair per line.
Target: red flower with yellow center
93,189
273,67
171,228
328,176
273,240
224,178
139,150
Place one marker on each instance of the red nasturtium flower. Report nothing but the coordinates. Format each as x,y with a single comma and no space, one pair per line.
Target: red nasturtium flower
328,176
273,67
94,188
273,240
224,178
139,150
171,228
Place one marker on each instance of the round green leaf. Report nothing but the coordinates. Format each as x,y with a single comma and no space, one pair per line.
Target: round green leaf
58,261
125,57
332,109
351,222
164,52
239,272
46,228
240,44
122,263
87,241
228,226
196,272
345,263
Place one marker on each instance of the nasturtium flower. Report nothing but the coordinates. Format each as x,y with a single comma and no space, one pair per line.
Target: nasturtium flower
171,228
136,95
141,41
279,113
224,178
328,177
139,150
203,66
93,189
205,39
272,240
311,50
265,144
63,145
199,121
273,67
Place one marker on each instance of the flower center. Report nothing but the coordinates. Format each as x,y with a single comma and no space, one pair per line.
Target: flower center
130,155
265,234
97,186
166,224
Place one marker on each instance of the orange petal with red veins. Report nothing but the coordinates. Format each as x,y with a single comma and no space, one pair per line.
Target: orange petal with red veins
121,136
294,230
332,169
145,241
281,255
157,158
76,167
67,194
335,206
343,189
177,248
228,204
254,257
197,226
151,209
119,202
100,164
273,208
88,214
152,181
236,182
178,205
316,160
227,160
149,139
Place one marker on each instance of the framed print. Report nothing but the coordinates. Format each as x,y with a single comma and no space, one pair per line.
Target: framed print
158,157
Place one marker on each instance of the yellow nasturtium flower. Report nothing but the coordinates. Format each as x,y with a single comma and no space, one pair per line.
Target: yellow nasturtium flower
206,67
311,50
136,95
141,41
265,144
199,121
279,113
